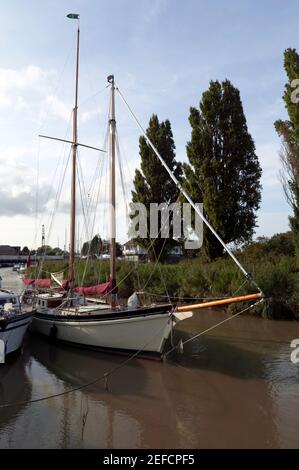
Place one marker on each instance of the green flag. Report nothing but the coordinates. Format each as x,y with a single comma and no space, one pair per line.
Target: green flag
73,16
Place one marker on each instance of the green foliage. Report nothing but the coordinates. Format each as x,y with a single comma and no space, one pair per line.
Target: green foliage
25,251
93,247
279,244
288,130
224,172
47,250
271,262
152,184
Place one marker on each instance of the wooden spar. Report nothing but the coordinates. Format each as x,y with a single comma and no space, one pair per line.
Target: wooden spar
71,142
112,124
74,164
215,303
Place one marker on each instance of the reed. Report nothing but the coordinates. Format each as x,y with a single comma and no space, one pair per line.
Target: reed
272,262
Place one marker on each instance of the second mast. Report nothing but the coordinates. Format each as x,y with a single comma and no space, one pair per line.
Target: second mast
112,125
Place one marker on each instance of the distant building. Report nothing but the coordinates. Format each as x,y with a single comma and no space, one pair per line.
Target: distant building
175,253
105,247
7,250
132,251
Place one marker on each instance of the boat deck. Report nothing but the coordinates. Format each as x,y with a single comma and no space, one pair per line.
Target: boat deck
101,312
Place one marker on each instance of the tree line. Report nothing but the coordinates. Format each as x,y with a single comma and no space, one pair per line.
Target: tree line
223,171
288,130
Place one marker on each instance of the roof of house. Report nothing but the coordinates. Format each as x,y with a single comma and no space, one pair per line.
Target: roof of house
131,242
9,250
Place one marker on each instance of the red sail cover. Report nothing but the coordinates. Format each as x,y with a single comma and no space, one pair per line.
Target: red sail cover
37,282
100,289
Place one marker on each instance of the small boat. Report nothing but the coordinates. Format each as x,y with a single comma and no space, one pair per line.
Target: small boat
15,318
68,315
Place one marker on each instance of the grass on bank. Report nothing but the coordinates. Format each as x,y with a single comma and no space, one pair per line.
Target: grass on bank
271,262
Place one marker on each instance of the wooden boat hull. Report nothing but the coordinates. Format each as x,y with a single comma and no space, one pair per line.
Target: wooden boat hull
121,332
12,331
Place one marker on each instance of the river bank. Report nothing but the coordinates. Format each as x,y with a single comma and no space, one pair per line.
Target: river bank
234,387
272,263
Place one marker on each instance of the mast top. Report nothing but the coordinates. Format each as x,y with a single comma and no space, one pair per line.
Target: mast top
110,79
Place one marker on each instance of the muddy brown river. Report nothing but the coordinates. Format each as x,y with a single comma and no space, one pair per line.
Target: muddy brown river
235,387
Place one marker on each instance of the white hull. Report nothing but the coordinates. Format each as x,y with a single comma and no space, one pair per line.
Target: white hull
11,338
145,333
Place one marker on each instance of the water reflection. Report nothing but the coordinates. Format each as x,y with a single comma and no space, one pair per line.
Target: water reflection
235,387
15,385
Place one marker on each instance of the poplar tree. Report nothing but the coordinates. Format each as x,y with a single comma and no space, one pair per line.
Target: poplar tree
93,247
223,171
288,130
152,183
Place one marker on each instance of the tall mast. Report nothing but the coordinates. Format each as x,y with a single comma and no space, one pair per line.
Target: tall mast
112,125
74,164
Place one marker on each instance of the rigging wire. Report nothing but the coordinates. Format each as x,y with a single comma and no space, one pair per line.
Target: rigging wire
95,204
55,89
120,168
82,196
91,231
176,297
182,343
60,161
103,377
81,103
56,203
106,375
246,274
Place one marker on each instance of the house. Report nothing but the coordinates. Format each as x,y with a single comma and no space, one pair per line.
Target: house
132,251
7,250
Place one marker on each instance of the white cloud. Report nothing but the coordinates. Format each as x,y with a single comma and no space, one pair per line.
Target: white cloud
55,107
87,116
18,193
15,84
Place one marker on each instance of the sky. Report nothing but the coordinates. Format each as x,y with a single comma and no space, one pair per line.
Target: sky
163,54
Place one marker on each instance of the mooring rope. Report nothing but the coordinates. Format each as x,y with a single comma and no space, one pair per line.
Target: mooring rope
182,343
152,294
103,377
106,375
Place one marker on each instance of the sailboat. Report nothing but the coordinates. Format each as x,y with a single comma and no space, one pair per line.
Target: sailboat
15,318
68,316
